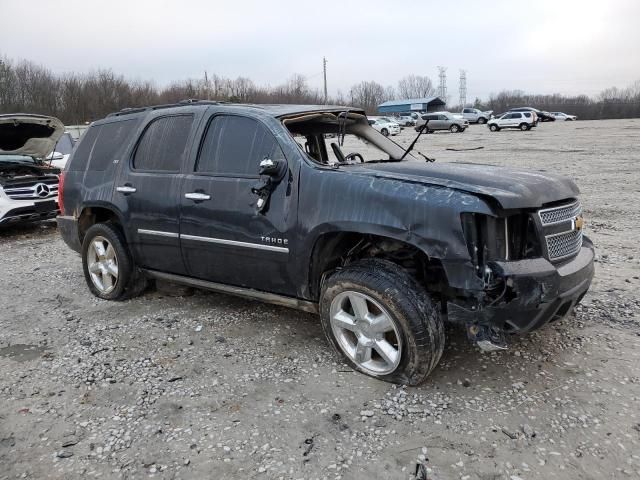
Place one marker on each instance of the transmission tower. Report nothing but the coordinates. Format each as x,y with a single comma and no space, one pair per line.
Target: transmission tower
324,71
442,88
463,88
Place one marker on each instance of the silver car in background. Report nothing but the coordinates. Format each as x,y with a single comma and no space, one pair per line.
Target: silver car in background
442,121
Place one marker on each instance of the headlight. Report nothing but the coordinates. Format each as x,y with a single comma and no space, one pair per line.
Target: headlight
492,238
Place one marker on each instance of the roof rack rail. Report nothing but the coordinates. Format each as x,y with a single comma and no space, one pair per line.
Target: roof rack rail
181,103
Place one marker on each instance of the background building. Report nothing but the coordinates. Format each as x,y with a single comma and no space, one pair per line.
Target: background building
427,104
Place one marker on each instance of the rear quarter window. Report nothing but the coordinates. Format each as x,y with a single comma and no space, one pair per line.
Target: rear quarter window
111,140
80,158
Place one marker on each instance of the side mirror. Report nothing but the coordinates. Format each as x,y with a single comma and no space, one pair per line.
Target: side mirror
272,168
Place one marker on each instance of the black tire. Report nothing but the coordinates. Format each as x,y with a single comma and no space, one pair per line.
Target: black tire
524,127
384,132
130,281
482,120
411,309
494,128
455,128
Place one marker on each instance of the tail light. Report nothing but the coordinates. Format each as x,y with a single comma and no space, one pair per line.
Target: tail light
61,193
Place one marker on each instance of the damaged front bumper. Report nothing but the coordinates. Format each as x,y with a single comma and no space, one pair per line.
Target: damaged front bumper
535,292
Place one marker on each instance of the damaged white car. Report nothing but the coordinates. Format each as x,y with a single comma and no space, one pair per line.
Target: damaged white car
28,183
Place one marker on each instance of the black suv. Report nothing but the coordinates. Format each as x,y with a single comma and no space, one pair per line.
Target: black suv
543,116
310,207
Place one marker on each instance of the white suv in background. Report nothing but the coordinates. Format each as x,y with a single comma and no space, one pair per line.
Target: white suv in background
385,125
521,120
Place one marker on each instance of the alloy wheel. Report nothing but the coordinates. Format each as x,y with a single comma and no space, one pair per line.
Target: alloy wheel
102,263
366,332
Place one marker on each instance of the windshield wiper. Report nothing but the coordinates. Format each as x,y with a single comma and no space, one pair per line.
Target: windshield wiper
415,140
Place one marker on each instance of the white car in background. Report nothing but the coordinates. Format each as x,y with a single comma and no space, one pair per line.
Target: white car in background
563,117
385,125
406,119
521,120
58,158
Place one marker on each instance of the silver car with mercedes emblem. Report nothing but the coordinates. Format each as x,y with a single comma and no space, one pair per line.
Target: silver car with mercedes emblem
28,182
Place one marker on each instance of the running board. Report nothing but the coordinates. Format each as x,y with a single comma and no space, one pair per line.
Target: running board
237,291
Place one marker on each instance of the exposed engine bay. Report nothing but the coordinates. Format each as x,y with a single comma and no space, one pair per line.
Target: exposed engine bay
12,172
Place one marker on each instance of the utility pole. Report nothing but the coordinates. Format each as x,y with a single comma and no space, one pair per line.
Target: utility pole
442,88
206,83
463,88
324,71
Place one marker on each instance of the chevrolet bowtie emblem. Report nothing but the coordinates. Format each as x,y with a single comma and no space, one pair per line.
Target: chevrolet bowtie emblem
578,223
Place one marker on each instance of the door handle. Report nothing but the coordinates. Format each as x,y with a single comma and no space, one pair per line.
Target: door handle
126,189
197,196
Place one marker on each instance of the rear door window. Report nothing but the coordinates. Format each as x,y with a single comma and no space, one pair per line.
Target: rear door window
163,143
235,146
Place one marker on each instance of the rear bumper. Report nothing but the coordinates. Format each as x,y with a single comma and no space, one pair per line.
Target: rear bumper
536,293
68,228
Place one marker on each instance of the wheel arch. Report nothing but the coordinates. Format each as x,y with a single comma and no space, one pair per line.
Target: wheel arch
98,212
333,249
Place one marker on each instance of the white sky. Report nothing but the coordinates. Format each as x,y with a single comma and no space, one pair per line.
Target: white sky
541,46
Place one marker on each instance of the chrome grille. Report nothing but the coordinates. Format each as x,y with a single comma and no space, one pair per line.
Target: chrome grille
563,239
565,244
563,213
37,190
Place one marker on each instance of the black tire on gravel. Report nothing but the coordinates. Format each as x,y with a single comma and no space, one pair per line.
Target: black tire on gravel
384,132
410,307
524,127
131,281
482,120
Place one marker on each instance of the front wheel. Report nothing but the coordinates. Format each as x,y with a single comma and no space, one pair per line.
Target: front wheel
482,121
108,268
494,128
384,132
382,321
524,127
454,128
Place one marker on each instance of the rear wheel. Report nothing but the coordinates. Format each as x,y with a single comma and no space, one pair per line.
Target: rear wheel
454,128
494,128
382,321
108,269
384,132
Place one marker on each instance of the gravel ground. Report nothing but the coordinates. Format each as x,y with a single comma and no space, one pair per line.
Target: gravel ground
211,386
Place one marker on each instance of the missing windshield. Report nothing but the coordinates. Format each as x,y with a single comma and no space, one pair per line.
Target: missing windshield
341,138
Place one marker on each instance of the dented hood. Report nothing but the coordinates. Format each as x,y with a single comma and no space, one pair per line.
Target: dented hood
32,135
511,188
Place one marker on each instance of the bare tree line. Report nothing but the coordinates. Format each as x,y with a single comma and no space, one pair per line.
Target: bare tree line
83,97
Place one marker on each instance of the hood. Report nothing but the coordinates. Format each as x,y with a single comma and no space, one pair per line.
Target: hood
511,188
32,135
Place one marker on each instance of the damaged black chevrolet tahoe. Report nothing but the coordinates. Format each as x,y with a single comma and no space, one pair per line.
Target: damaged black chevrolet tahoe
310,207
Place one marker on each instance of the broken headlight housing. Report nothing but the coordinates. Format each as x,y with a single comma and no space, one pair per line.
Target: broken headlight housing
507,238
